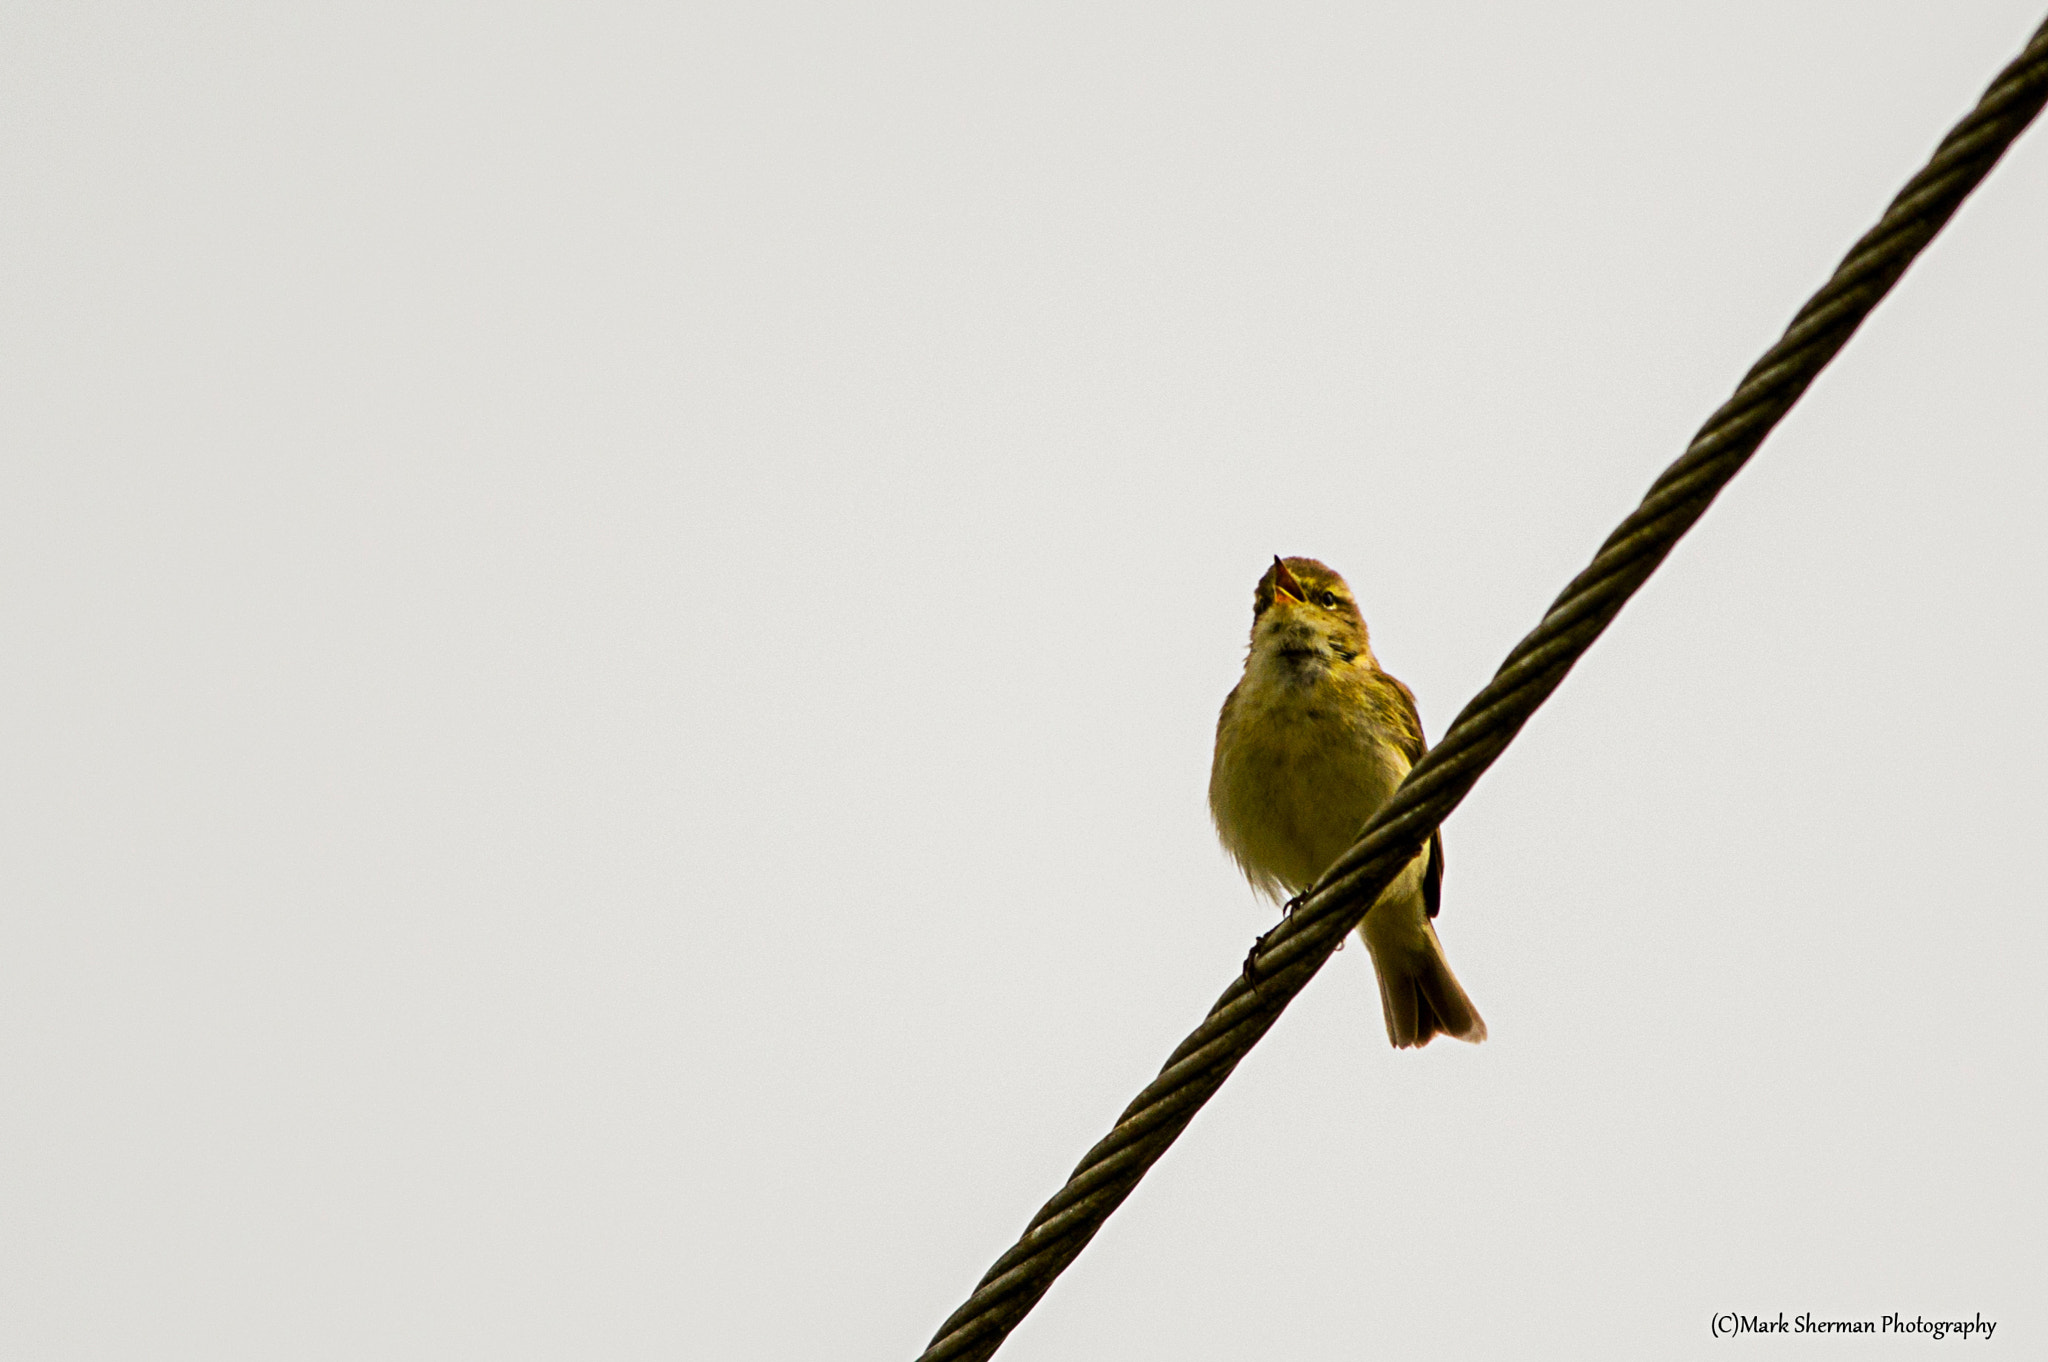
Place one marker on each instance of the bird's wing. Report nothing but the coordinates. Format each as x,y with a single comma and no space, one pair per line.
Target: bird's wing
1400,707
1433,873
1413,745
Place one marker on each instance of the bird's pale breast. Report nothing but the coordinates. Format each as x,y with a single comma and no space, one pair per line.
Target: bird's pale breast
1300,766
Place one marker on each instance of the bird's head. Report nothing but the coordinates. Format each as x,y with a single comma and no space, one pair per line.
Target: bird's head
1305,611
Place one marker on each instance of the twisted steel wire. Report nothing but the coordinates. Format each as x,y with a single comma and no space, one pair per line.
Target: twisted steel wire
1288,957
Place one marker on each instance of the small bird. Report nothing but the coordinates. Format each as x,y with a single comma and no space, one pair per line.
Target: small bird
1309,745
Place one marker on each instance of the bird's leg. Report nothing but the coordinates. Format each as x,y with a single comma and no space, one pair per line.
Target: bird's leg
1251,959
1295,903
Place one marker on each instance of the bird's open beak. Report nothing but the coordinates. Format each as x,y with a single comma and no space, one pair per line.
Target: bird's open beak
1285,587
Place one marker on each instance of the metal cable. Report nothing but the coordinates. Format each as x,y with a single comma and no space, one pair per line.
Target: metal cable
1289,956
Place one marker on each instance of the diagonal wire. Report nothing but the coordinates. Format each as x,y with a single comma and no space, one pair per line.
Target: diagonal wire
1289,956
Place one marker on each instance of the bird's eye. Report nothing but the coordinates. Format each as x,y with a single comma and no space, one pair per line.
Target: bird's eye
1328,599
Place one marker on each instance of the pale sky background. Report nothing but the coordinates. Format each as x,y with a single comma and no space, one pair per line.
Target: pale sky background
614,616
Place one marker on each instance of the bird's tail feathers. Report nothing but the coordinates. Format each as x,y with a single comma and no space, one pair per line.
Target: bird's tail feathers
1422,999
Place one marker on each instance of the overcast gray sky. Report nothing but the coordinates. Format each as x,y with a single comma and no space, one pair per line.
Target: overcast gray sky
615,614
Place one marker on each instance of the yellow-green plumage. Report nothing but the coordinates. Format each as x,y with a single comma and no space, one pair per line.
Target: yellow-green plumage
1310,743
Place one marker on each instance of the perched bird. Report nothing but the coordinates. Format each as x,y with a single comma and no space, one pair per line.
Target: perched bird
1309,745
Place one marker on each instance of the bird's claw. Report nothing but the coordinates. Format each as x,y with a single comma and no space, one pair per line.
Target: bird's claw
1251,959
